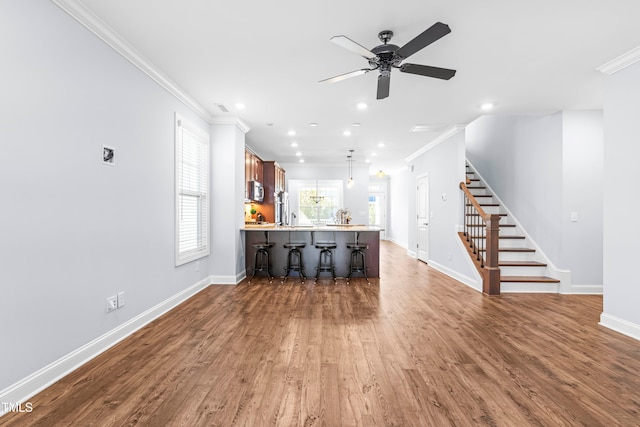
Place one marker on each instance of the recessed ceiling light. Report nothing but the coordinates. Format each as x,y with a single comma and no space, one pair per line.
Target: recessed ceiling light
270,124
347,133
356,125
368,161
294,144
486,106
298,154
313,124
381,144
240,105
373,154
291,132
362,105
301,160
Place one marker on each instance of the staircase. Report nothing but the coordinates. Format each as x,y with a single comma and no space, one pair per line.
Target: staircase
522,269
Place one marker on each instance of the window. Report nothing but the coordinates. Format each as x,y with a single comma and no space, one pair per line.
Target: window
192,192
318,201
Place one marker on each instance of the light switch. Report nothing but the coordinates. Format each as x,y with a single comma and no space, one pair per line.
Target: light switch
574,216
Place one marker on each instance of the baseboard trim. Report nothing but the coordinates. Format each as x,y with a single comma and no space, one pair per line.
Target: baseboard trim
620,325
26,388
228,280
457,276
587,289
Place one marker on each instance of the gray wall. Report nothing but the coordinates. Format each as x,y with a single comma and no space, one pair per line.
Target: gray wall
544,168
400,184
444,164
75,231
582,193
621,204
521,159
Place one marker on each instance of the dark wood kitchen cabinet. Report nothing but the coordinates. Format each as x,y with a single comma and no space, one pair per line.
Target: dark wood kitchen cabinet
252,167
274,182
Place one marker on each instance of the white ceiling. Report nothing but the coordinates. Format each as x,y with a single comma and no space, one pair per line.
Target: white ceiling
526,57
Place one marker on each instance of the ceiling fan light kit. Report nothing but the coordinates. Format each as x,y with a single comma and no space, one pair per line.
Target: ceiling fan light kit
387,56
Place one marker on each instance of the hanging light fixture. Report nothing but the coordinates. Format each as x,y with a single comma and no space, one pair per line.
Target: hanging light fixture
350,160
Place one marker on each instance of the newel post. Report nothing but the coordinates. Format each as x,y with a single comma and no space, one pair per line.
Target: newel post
491,283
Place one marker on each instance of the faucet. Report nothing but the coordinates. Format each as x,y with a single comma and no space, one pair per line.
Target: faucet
292,217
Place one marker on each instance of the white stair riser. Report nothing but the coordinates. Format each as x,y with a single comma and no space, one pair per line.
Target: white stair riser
517,287
516,256
523,271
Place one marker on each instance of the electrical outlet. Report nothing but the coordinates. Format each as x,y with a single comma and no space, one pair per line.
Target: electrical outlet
120,299
112,303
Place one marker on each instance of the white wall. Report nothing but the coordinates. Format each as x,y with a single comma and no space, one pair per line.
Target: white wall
227,264
582,193
356,198
520,157
75,231
400,185
544,168
445,165
621,204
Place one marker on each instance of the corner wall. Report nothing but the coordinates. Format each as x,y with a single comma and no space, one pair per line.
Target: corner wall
75,231
621,235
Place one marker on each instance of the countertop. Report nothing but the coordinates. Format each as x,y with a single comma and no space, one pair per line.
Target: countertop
328,227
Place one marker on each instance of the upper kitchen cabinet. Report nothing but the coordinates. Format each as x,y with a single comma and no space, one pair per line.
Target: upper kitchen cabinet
253,167
274,182
280,174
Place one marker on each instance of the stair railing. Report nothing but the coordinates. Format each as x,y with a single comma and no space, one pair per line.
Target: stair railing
481,233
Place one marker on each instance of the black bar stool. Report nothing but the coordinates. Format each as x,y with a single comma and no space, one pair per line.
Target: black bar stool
262,258
325,264
294,260
358,262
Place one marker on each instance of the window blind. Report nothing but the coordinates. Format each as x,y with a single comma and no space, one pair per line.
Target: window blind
192,193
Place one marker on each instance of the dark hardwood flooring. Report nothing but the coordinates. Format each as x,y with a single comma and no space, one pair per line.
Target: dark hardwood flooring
413,348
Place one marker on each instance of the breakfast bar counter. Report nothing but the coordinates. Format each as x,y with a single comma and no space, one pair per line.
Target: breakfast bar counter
341,234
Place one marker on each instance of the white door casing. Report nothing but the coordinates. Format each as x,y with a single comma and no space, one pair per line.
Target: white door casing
422,217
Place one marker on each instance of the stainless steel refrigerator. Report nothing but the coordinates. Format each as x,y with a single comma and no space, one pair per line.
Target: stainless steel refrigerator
282,208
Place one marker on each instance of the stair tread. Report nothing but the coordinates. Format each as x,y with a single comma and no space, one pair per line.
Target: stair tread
521,264
499,225
477,214
511,250
503,237
529,279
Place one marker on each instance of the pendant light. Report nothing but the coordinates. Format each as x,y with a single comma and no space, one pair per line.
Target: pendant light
350,160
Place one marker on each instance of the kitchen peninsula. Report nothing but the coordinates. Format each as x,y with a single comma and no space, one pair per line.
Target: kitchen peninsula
341,234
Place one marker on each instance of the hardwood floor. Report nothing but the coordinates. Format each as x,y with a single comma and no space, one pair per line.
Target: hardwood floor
413,348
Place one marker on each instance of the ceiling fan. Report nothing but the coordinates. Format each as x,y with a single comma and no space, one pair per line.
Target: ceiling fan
387,56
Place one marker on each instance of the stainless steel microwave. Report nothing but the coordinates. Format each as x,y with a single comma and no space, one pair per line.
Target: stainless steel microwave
256,191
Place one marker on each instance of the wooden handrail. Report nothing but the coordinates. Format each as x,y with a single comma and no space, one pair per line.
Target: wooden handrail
473,200
489,265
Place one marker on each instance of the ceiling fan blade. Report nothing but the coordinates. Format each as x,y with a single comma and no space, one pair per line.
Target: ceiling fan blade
349,44
383,86
428,36
345,76
426,70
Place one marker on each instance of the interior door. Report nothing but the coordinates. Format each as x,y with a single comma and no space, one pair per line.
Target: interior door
422,215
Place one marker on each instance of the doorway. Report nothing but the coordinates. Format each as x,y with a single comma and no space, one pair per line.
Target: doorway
378,206
422,215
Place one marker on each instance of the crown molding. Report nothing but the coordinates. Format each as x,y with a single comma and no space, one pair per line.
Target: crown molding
621,62
437,140
230,120
93,23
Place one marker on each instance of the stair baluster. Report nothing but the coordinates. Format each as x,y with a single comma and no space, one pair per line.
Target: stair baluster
482,234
